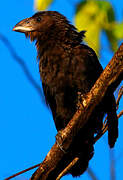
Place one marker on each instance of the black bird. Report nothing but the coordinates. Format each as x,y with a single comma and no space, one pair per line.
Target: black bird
69,68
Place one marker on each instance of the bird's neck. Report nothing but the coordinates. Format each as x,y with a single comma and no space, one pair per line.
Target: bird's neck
51,46
47,42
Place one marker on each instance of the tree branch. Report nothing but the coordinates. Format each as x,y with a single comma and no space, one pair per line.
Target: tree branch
119,96
105,128
110,78
69,166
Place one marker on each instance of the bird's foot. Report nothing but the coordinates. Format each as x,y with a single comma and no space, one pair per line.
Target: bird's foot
59,140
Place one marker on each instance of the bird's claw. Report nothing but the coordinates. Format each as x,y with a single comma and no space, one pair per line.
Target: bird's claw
58,140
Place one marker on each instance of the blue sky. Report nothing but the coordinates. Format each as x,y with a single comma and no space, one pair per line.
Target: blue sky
27,131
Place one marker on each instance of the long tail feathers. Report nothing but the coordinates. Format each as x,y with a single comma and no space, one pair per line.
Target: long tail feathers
112,123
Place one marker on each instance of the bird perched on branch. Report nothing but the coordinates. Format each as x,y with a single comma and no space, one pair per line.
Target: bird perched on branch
69,68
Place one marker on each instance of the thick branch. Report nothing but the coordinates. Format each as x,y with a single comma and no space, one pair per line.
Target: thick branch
110,78
72,163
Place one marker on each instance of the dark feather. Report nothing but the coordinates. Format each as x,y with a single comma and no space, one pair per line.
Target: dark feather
67,67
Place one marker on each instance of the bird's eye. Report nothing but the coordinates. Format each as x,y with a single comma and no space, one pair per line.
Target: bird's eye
38,19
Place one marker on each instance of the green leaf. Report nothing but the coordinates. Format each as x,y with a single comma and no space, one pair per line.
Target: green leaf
107,7
89,18
42,4
95,16
80,5
114,34
118,30
112,39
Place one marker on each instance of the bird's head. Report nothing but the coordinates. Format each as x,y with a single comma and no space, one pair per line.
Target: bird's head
46,25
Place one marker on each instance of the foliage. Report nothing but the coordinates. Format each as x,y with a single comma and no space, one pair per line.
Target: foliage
94,16
42,4
97,16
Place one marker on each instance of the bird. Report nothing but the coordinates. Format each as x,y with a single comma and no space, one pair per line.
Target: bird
68,69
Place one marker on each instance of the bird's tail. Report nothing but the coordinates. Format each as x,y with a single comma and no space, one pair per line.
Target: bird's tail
112,122
83,148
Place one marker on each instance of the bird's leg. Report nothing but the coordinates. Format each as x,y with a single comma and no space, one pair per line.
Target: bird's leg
59,140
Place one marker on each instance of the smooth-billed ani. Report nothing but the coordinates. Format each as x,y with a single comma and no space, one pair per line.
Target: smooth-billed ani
69,68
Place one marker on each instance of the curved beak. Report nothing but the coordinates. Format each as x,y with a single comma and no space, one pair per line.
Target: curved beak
26,25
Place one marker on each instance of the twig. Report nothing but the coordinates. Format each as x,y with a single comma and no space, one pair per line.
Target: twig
21,172
67,168
22,64
120,93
